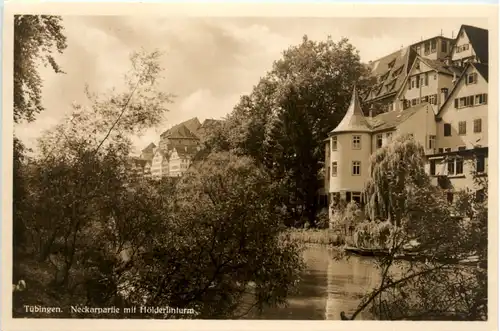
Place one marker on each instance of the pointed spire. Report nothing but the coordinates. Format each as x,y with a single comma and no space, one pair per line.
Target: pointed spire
354,120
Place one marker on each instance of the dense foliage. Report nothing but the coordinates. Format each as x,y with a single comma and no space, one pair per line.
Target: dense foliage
282,124
418,221
88,232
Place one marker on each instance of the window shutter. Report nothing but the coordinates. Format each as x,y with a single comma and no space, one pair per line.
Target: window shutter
485,98
456,103
475,77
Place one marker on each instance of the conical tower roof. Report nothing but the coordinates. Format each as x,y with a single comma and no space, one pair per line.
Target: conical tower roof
354,120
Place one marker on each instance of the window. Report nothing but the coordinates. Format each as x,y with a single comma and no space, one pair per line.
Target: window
417,81
356,142
462,148
459,166
447,150
418,49
433,99
412,85
440,150
433,167
379,141
462,127
388,135
451,167
391,64
477,125
480,164
449,197
433,45
471,78
334,143
425,99
426,79
444,46
447,129
334,169
432,142
356,168
356,197
480,99
426,48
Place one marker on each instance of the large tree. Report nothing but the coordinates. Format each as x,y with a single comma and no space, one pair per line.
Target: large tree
433,285
36,38
284,121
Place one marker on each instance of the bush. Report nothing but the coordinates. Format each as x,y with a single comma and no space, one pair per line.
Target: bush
372,234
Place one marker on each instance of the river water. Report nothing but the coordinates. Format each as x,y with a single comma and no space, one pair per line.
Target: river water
328,287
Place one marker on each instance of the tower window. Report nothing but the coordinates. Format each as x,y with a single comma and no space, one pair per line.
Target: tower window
334,169
334,143
356,142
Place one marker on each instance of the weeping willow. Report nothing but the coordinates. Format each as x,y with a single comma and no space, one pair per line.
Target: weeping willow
396,170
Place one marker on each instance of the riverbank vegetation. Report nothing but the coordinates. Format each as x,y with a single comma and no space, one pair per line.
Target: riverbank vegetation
415,211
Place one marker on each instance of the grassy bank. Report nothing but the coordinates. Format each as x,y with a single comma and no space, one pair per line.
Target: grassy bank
318,236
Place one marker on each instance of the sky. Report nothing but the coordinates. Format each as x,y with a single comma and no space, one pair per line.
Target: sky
209,62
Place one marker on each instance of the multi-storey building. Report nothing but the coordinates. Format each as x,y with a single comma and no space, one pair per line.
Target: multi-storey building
180,159
442,102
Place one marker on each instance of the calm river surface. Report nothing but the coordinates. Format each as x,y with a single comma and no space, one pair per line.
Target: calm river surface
329,286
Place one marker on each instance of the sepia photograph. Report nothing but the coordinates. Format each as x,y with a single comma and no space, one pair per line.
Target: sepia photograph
250,167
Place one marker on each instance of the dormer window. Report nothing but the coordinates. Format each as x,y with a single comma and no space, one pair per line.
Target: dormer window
391,64
471,78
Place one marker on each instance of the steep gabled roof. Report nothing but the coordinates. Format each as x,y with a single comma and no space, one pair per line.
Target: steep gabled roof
354,120
391,70
179,130
479,40
149,148
483,72
482,69
392,119
436,65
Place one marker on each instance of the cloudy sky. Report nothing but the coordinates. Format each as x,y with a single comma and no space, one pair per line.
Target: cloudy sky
209,62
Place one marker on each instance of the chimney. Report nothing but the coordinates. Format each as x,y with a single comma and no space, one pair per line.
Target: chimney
444,96
370,111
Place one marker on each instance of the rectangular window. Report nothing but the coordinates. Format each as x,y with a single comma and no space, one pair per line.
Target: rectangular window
459,166
379,140
440,150
356,197
432,142
451,167
447,129
356,142
471,79
412,85
425,99
417,80
433,99
334,143
356,168
462,127
461,148
480,99
426,79
334,169
433,167
477,125
433,45
444,46
447,150
480,164
426,48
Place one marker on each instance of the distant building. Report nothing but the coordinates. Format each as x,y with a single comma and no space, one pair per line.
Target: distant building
180,159
148,152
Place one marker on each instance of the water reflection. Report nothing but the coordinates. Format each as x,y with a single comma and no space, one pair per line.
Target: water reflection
328,287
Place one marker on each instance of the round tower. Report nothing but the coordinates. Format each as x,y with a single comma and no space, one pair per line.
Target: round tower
350,150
